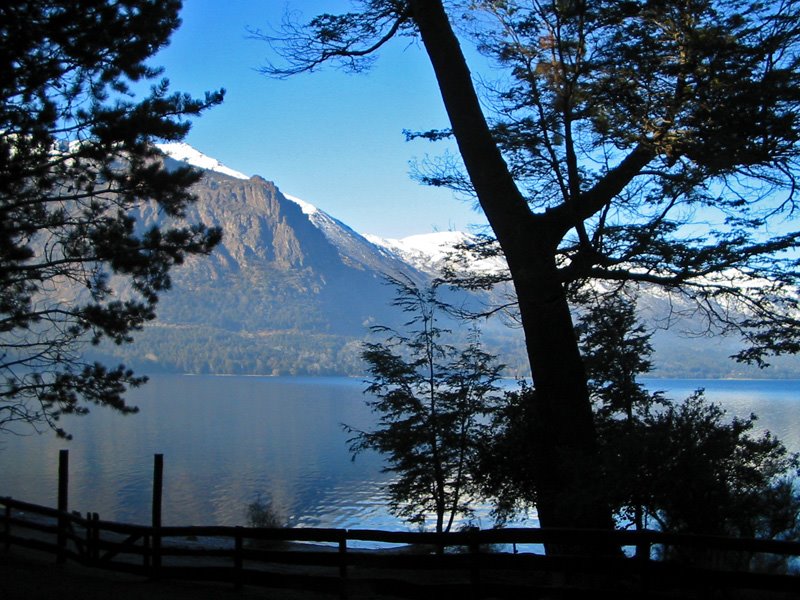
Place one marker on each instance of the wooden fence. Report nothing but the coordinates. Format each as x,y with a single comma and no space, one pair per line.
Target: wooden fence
468,564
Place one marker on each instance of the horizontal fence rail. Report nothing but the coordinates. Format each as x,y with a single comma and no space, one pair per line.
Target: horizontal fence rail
489,563
469,564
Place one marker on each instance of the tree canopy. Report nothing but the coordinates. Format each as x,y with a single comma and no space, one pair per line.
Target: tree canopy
681,466
432,399
639,142
733,481
77,161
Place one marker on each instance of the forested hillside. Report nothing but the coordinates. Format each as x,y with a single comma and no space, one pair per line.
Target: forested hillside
293,291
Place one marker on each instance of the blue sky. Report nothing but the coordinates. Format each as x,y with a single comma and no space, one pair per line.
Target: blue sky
328,137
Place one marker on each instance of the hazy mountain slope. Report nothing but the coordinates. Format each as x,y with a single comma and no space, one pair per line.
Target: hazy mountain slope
292,290
289,290
280,268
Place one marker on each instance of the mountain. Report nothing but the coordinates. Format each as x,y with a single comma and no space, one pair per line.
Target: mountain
289,290
292,290
428,252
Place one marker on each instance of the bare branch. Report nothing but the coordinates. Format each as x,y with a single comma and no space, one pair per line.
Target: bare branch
349,40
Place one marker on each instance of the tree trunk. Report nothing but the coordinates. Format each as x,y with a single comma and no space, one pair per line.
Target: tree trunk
566,460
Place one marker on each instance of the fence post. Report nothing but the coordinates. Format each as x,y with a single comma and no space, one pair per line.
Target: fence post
475,557
158,483
642,546
238,560
146,552
7,525
96,537
63,504
343,565
92,555
89,556
642,557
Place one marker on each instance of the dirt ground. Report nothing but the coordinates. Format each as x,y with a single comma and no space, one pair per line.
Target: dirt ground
27,575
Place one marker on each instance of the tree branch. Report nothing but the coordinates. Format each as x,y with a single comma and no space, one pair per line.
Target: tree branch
330,38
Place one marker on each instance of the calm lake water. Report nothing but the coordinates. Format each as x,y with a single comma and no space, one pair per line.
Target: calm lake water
227,440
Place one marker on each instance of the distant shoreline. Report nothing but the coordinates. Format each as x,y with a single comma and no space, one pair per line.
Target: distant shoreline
362,377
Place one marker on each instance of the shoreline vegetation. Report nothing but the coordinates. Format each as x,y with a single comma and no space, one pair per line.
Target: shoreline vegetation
514,379
207,351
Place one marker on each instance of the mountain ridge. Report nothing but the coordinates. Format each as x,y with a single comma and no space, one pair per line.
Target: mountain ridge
424,251
291,290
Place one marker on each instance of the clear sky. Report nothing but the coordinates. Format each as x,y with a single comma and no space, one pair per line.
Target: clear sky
331,138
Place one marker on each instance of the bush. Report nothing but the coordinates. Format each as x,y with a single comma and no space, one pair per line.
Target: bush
262,512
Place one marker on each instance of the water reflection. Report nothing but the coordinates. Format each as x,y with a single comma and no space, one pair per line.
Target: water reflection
226,440
775,402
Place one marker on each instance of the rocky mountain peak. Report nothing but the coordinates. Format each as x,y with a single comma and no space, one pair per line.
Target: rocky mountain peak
293,290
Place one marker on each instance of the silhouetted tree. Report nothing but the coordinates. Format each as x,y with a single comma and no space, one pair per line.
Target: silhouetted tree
677,466
77,159
432,400
616,350
731,482
506,472
638,142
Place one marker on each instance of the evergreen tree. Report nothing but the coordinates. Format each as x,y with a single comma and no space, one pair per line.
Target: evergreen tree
732,482
616,350
77,160
432,400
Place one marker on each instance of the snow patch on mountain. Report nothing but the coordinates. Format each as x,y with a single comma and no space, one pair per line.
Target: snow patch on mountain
306,207
185,153
428,246
429,251
425,252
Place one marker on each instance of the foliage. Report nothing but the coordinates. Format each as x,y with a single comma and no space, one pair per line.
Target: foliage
688,112
77,160
507,475
432,400
639,143
180,347
732,482
262,512
210,350
615,349
676,466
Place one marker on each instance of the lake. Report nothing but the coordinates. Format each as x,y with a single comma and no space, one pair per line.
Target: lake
227,440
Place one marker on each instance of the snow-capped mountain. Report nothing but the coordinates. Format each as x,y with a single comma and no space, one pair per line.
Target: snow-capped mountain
429,252
185,153
424,252
289,290
293,290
